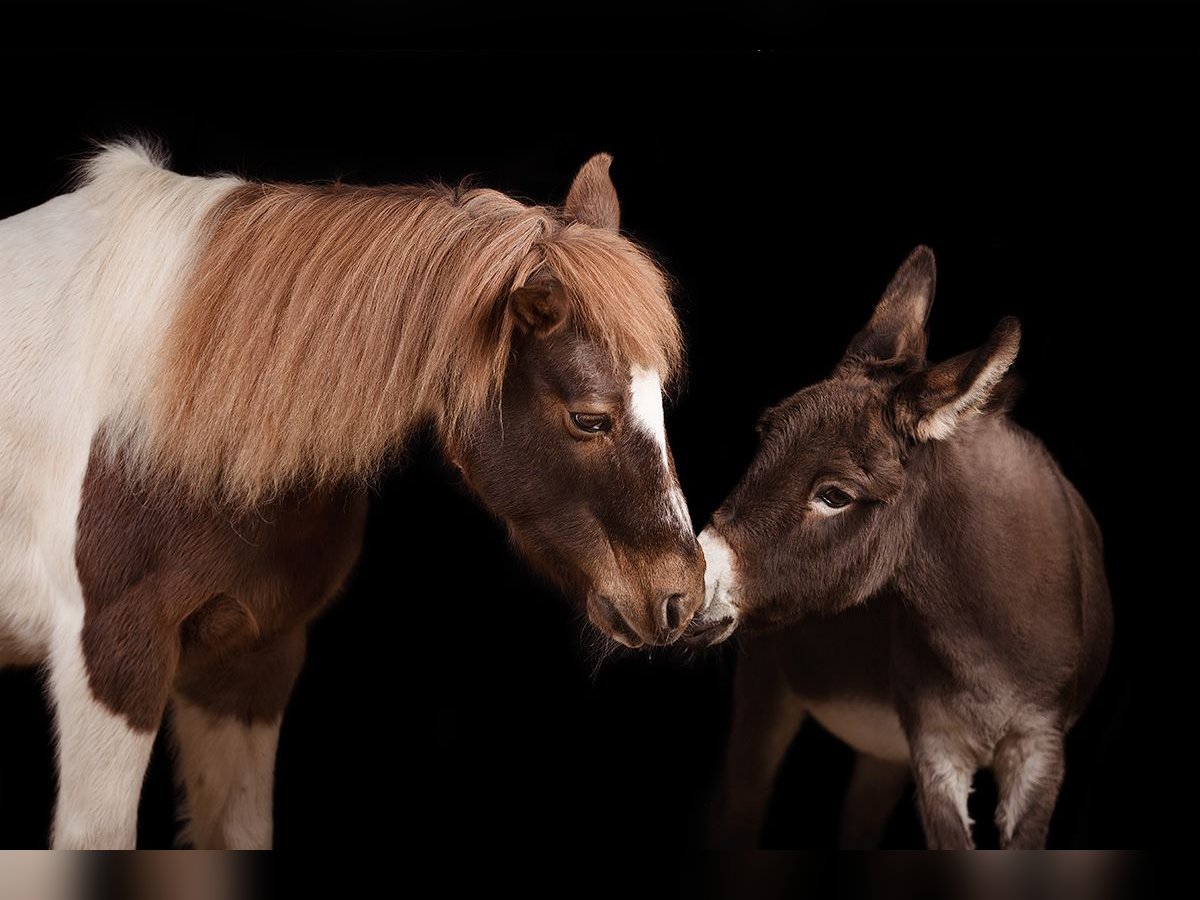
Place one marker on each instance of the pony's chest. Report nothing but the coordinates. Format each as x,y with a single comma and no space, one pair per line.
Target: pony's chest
866,725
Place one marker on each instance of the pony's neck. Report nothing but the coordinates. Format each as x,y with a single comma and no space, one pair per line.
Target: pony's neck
322,325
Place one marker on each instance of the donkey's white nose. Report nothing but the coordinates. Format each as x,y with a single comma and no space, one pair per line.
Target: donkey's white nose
718,618
719,581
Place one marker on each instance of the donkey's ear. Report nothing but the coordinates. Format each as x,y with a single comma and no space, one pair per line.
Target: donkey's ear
540,306
897,327
932,404
592,199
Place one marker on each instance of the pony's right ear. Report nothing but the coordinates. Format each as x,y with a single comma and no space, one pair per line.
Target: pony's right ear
897,327
539,306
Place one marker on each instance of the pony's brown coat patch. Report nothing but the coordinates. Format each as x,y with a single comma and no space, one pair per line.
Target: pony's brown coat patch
184,597
322,324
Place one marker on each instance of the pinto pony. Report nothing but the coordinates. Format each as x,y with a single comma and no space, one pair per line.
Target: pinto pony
198,377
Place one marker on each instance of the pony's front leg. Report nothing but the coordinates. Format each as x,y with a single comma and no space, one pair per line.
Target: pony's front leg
104,741
225,721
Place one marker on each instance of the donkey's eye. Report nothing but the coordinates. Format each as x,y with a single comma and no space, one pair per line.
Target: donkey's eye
592,423
834,497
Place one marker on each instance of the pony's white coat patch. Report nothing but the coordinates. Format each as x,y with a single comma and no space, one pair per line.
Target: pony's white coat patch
88,286
645,402
646,409
228,772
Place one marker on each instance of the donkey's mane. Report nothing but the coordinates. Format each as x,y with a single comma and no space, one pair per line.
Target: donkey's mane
322,324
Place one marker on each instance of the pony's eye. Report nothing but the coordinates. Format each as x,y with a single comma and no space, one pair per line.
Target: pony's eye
592,423
834,497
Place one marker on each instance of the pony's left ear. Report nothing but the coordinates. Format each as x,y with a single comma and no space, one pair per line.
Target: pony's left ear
592,199
931,405
540,306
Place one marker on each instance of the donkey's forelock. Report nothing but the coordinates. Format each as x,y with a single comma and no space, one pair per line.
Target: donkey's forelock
320,325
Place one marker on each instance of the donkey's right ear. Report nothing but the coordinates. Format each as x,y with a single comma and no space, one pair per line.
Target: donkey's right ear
932,404
539,306
897,327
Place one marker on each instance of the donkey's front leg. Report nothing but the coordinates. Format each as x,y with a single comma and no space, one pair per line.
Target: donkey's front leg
1029,771
944,771
103,754
876,787
766,716
226,718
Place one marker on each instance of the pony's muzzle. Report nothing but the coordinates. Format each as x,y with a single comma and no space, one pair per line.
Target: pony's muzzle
657,620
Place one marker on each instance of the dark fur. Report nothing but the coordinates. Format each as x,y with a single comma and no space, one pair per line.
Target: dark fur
203,602
964,587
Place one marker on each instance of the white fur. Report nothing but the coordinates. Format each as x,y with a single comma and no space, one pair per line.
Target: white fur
871,728
1028,762
228,771
646,405
646,410
947,767
720,579
87,289
102,761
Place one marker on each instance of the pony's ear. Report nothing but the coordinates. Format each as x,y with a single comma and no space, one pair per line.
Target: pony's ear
932,404
539,306
592,199
897,327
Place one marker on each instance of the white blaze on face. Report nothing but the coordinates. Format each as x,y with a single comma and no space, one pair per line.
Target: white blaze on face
720,581
646,410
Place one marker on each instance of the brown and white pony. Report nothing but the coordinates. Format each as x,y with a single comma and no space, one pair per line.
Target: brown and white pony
917,574
198,377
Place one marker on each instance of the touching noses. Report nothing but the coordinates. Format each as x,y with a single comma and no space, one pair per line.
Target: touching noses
657,615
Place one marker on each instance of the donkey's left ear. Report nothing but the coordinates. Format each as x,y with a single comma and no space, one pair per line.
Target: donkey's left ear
897,327
592,199
932,404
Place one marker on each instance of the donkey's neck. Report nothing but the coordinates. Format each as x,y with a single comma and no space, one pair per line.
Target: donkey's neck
972,499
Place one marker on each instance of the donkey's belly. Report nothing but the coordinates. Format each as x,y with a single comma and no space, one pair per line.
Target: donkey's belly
867,726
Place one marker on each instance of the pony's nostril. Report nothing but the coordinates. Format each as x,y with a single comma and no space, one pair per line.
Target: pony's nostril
610,619
673,610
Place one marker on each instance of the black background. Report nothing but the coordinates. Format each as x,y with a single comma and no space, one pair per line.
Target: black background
450,691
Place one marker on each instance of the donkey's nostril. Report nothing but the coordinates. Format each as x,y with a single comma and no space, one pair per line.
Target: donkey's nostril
673,610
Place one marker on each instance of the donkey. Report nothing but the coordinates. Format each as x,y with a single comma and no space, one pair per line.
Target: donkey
927,584
200,376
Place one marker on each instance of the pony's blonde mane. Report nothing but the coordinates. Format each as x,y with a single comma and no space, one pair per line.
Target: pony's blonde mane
322,325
